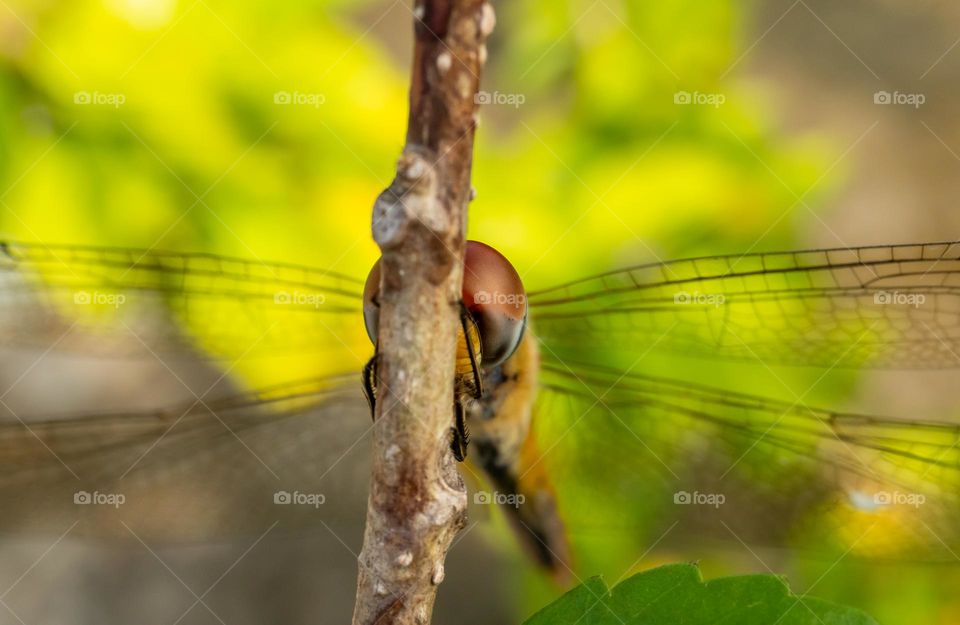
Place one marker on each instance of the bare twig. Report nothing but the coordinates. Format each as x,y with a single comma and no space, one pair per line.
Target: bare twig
417,499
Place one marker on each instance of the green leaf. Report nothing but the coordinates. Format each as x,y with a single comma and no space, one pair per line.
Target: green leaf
676,594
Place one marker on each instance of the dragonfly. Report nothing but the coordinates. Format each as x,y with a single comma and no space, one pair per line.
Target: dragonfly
571,435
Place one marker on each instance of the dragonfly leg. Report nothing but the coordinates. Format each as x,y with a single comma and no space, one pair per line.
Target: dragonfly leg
467,323
370,383
459,433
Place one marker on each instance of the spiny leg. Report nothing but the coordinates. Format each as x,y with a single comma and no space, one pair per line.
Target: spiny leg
467,323
370,382
459,433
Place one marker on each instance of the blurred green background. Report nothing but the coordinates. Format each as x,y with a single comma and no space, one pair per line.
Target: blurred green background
265,130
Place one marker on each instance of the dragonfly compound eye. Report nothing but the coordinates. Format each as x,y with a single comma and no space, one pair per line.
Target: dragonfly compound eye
493,294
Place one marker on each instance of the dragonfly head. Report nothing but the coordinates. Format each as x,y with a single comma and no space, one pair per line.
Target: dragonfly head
492,294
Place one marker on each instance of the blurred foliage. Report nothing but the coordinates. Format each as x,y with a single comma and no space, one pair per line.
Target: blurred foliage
166,124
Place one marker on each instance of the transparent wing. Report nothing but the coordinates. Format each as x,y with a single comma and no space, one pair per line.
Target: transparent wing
205,469
127,301
687,463
882,306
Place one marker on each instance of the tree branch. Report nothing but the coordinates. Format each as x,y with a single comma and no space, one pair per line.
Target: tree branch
417,499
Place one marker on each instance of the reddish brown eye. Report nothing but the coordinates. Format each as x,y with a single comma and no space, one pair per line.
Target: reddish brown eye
492,292
371,302
494,296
